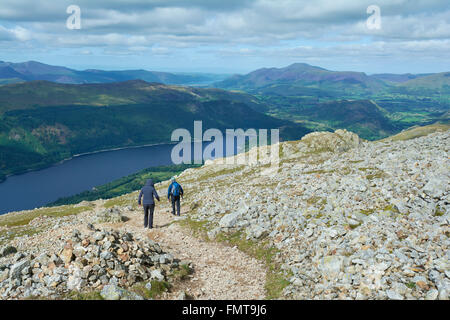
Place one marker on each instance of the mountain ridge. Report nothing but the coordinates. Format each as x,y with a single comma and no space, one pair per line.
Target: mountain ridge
297,72
34,70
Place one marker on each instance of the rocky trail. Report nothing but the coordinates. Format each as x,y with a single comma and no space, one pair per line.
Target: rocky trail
221,272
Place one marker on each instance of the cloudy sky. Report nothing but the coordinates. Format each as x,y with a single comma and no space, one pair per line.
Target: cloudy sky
230,36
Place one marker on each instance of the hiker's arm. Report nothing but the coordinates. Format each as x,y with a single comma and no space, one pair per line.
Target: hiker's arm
181,191
156,194
168,191
140,197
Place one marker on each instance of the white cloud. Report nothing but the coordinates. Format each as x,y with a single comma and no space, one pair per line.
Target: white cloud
14,34
261,27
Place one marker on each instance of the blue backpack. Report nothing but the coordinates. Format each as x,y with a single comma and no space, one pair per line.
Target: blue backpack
175,191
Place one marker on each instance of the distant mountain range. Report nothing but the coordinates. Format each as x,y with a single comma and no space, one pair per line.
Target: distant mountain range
304,79
45,93
398,78
299,74
295,79
32,70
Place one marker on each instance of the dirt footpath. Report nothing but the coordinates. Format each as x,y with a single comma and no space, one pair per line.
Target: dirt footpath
221,272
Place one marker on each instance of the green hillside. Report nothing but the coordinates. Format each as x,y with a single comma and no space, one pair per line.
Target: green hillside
417,131
435,82
363,117
44,94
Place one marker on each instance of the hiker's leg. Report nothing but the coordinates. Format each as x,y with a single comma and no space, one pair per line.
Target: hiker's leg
178,206
172,198
145,216
152,209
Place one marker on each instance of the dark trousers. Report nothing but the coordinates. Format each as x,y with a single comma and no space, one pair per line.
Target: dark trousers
175,201
148,215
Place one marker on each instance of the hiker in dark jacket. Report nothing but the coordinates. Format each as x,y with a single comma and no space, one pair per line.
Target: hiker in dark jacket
148,191
174,193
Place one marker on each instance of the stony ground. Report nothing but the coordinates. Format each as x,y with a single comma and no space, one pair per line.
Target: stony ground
339,218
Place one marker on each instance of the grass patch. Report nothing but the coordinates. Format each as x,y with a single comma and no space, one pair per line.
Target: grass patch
378,175
89,295
374,173
391,208
11,233
411,285
417,132
367,212
23,218
316,200
317,172
157,289
198,228
120,201
354,226
183,272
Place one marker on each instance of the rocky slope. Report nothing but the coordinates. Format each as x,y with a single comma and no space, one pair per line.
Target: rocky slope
352,219
341,217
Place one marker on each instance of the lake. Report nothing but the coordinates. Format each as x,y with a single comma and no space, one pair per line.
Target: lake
37,188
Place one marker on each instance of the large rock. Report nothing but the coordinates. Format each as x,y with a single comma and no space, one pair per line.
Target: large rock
432,294
331,266
157,275
436,186
16,269
339,141
43,259
229,220
75,280
7,250
66,254
257,232
112,215
393,295
4,275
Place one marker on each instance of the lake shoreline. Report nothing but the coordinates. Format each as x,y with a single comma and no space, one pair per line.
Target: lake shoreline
3,179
